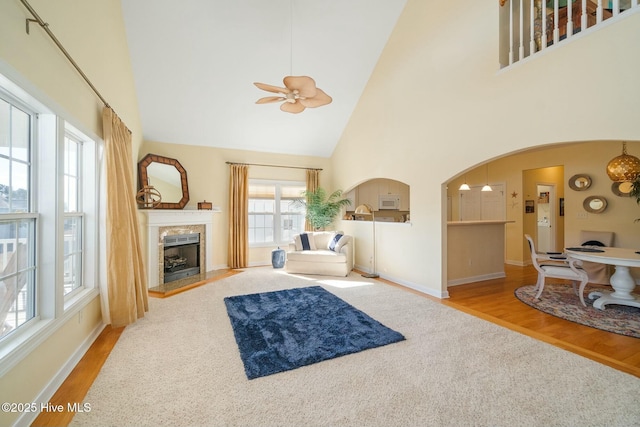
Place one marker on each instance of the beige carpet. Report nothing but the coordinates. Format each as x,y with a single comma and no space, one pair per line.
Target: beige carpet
180,366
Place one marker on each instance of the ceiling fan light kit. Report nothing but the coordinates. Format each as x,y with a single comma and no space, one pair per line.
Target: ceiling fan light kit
298,93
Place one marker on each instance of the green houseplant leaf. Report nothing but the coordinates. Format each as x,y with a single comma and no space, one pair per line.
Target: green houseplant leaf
635,192
323,209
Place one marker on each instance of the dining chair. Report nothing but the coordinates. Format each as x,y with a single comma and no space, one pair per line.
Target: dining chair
557,266
598,273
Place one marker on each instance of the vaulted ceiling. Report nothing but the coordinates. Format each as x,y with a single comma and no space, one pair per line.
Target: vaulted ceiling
195,62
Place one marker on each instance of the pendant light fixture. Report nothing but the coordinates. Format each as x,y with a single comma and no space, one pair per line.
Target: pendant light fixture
624,167
487,187
464,186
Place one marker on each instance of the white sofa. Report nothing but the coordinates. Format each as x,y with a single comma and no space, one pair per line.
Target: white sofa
314,253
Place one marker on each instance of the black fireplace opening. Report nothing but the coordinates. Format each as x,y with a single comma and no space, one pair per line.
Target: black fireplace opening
181,256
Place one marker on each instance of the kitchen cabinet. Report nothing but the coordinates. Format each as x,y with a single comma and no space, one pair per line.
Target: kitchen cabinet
368,192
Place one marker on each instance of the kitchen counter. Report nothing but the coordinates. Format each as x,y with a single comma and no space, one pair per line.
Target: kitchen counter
475,251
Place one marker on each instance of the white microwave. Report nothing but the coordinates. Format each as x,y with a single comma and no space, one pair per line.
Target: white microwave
388,201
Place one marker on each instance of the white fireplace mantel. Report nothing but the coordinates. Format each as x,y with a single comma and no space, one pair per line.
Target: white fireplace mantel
175,218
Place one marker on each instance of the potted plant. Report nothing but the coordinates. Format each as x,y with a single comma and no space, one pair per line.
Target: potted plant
323,209
635,192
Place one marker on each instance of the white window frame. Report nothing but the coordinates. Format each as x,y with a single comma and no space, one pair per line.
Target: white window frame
277,214
77,214
52,309
30,216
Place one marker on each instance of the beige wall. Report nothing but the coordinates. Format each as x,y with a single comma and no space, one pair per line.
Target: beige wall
208,176
93,33
437,104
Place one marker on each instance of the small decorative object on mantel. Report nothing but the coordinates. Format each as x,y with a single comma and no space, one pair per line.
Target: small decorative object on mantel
205,205
148,197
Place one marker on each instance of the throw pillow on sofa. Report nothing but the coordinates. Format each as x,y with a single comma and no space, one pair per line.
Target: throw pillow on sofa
304,242
337,242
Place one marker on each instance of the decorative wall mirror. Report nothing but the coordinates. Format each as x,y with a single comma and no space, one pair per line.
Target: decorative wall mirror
595,204
580,182
168,177
622,189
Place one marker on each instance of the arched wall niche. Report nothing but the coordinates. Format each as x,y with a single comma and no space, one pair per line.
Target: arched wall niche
520,172
389,199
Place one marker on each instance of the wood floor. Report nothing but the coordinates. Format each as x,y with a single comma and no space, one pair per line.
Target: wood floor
492,300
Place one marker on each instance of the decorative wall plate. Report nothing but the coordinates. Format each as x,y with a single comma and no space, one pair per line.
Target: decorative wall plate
622,189
580,182
595,204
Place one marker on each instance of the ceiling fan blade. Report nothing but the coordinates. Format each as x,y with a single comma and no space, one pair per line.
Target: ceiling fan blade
270,88
292,107
306,86
270,99
319,100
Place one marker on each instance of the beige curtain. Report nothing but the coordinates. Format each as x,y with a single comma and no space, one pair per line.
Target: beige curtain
313,182
126,279
238,216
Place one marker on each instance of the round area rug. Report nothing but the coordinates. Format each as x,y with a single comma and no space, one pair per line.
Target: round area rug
559,300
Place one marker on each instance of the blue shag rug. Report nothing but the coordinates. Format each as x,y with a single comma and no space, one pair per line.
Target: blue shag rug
284,330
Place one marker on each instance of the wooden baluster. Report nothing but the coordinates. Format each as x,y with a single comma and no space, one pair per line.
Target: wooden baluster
583,17
599,12
616,7
532,35
521,48
510,32
556,26
569,18
544,24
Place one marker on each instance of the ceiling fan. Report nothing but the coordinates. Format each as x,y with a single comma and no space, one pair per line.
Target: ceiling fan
300,92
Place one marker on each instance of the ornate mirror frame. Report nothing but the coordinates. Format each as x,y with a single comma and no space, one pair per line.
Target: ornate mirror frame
143,179
580,182
595,204
622,189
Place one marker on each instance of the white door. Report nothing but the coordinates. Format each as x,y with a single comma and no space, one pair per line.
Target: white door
546,218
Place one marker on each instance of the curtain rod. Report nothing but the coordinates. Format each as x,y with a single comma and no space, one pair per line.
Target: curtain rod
64,51
273,166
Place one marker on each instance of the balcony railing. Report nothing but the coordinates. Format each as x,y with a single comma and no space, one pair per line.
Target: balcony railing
532,26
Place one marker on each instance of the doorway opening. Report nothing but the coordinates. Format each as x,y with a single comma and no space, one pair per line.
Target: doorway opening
546,220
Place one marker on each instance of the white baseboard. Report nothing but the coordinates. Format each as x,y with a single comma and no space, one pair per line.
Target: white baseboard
44,397
479,278
405,283
260,264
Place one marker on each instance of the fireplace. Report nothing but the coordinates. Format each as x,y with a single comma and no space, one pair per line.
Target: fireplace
181,256
169,223
181,252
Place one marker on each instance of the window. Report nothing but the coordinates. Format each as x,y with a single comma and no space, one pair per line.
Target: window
73,217
276,212
49,220
17,221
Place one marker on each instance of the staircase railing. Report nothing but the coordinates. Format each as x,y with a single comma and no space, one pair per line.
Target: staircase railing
532,26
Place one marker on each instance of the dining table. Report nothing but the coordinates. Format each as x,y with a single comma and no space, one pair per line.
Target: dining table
621,281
